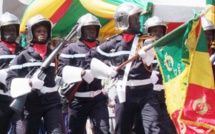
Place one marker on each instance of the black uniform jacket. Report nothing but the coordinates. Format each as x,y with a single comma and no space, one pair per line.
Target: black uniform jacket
23,64
5,58
117,51
74,55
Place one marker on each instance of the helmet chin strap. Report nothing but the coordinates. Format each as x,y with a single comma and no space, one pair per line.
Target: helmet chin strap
156,37
131,31
39,42
9,42
89,39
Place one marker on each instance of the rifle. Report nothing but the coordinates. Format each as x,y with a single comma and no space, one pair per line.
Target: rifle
69,90
19,102
3,66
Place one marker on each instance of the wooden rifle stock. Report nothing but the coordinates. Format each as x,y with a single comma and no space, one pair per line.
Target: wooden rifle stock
70,90
3,66
18,103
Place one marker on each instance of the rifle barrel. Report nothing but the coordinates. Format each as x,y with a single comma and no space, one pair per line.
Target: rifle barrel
50,58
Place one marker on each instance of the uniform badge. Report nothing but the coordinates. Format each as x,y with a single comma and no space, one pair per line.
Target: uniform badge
32,60
113,50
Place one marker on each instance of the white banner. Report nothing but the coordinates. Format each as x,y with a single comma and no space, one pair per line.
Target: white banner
177,10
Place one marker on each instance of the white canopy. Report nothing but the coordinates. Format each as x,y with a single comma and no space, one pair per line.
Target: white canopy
177,10
13,6
168,10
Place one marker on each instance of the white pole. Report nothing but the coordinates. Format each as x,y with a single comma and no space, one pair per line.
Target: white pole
1,7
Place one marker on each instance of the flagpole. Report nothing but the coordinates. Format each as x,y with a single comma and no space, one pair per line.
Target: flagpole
134,57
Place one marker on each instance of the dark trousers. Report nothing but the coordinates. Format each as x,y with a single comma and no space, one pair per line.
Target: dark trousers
9,118
166,122
52,116
138,125
139,100
94,108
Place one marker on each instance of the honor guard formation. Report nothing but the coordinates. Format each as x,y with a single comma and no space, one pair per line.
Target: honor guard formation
84,85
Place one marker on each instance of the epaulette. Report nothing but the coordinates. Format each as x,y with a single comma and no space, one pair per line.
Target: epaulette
71,41
97,42
113,36
145,37
110,38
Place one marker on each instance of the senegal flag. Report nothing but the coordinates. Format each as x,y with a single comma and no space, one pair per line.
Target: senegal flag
188,78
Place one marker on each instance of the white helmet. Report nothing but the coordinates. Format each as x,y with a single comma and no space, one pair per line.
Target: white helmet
9,19
87,20
207,24
37,19
154,21
122,14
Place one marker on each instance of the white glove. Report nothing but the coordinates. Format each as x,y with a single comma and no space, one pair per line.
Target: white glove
154,77
112,104
142,53
36,83
3,76
112,72
150,56
88,76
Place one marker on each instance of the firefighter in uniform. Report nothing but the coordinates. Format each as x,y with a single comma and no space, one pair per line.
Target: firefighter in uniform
88,101
43,100
134,86
209,30
157,28
9,26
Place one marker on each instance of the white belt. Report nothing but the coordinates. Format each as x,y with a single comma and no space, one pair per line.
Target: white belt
158,87
7,93
49,89
89,94
138,82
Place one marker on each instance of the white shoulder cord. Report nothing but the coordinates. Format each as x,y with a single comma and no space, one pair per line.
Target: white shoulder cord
122,85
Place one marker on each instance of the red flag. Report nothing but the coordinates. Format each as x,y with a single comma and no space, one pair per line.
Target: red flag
199,106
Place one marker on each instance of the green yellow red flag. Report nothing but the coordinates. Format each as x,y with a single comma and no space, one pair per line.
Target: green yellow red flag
188,78
199,106
211,13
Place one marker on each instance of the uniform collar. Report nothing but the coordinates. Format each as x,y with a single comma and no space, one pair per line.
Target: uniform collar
34,53
89,44
128,37
80,43
5,48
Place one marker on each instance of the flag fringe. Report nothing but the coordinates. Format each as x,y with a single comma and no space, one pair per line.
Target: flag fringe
198,124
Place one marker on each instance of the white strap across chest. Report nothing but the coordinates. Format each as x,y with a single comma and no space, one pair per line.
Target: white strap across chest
121,86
